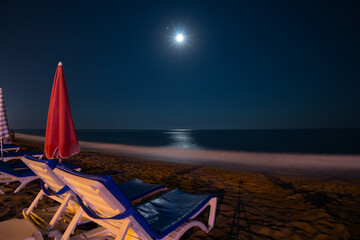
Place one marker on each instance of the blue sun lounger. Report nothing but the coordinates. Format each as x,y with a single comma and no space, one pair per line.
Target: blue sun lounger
53,187
17,155
102,201
10,147
9,173
20,172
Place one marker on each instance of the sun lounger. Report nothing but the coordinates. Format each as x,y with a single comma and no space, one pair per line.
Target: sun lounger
17,155
17,165
134,189
52,187
9,174
166,217
10,147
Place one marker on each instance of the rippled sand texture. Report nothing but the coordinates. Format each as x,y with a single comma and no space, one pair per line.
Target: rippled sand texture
251,205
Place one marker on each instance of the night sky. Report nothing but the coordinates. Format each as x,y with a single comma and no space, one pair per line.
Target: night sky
244,64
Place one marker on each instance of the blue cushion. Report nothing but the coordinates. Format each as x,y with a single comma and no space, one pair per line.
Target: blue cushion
25,173
17,165
10,145
21,154
71,166
135,188
4,167
169,211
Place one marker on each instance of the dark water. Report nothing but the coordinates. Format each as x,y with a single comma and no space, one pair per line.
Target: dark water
338,141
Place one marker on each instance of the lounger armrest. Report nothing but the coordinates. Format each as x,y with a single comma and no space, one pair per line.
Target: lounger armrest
60,192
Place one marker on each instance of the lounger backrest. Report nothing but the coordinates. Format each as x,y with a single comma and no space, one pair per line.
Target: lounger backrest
10,147
4,168
97,192
44,169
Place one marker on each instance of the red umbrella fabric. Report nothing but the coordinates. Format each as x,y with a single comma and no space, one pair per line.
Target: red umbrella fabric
60,139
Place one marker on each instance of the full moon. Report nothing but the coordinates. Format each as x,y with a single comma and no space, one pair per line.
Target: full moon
179,38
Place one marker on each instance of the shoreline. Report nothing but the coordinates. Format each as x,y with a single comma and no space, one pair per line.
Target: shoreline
344,166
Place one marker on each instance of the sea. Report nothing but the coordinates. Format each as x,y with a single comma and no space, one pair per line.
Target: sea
318,141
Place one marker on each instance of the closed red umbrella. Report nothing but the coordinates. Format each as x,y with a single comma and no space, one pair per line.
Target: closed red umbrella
60,139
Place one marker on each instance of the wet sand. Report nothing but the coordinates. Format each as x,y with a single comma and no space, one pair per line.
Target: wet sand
252,204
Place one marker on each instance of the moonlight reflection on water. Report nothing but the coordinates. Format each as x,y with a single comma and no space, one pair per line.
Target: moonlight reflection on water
181,138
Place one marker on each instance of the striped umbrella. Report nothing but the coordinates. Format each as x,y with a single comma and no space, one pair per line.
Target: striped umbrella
4,127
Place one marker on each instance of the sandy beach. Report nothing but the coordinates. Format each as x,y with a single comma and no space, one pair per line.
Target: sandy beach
256,203
254,103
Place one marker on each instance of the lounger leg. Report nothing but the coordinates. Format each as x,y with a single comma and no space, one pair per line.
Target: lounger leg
59,211
70,229
34,203
179,232
23,183
212,213
1,191
123,230
212,203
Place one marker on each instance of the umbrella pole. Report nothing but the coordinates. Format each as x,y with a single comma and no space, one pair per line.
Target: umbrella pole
2,153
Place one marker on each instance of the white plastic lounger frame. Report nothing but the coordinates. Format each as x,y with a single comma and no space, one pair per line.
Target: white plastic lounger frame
8,178
99,198
43,169
8,158
52,181
11,147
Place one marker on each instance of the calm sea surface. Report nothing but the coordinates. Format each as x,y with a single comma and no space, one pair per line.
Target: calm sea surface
339,141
